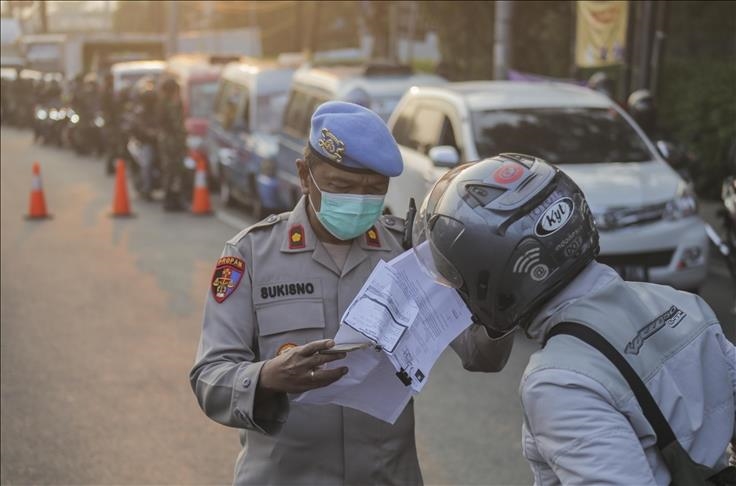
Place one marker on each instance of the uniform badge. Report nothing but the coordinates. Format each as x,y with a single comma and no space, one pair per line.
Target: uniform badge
371,237
285,347
332,145
228,274
296,237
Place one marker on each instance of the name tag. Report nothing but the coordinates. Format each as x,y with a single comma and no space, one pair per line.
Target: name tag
273,292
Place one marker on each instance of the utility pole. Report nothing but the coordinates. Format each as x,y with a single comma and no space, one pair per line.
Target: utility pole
172,30
501,31
43,16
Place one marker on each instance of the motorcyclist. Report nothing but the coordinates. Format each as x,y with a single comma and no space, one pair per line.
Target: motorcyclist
111,114
144,130
515,237
171,143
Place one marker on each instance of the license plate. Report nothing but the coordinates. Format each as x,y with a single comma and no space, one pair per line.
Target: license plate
633,273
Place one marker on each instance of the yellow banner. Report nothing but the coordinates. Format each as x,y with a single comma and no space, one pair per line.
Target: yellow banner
601,33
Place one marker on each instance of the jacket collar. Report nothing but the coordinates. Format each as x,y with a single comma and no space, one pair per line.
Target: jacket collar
591,279
300,237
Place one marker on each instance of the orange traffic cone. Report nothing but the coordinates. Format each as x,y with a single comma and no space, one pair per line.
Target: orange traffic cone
37,206
201,197
120,204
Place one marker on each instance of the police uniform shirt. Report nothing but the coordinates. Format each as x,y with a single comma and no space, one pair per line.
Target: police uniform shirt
275,287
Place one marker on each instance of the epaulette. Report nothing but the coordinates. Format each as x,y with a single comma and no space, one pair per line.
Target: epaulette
264,223
393,223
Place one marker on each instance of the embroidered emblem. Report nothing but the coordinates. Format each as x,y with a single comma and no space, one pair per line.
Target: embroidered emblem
296,237
226,278
371,237
332,145
285,347
671,317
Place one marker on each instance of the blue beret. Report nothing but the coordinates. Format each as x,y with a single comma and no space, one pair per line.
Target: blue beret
354,138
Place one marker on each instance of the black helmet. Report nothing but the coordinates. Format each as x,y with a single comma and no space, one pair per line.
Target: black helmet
169,86
507,232
600,82
640,106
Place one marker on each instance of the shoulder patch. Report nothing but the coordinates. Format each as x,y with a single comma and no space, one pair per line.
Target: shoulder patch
371,237
297,238
394,223
226,277
264,223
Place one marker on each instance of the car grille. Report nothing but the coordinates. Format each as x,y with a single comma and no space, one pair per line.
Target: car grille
623,217
648,259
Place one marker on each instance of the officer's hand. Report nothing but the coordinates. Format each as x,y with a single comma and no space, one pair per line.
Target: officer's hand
298,369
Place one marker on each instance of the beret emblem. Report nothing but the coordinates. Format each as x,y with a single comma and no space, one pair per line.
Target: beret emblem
332,145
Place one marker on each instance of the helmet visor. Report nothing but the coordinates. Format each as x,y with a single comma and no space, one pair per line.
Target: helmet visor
430,257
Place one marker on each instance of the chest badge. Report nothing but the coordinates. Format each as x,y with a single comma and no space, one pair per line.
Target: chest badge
297,239
226,278
371,237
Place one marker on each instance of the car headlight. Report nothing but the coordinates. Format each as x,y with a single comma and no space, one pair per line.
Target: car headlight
99,122
74,118
682,206
194,142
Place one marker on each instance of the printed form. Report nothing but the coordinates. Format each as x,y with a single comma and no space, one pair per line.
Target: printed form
409,319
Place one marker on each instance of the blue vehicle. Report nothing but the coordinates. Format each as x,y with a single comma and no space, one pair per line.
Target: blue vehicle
375,86
241,139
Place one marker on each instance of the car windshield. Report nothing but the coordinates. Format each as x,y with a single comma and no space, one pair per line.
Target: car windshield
385,106
559,135
202,99
270,110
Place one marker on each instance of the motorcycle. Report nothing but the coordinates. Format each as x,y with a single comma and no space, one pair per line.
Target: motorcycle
726,244
85,133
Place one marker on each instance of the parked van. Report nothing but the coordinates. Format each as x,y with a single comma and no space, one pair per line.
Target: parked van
375,86
241,138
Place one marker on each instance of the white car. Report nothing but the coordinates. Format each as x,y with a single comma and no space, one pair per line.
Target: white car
646,213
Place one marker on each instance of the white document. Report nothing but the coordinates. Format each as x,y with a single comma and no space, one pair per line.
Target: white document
410,319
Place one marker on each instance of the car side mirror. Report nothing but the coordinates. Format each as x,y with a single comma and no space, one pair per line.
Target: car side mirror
665,149
444,156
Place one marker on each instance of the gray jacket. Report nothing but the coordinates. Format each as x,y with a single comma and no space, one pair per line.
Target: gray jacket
582,424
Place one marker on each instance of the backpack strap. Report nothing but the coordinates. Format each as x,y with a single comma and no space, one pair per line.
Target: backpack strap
683,470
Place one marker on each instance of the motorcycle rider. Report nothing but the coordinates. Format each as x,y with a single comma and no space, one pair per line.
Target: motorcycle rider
515,237
111,113
144,131
171,142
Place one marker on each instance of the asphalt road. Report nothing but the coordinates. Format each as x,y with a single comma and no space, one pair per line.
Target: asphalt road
99,322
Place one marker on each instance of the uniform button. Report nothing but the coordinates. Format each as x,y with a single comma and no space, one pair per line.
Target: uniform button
246,382
389,220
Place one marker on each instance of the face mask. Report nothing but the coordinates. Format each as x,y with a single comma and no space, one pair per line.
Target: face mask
346,216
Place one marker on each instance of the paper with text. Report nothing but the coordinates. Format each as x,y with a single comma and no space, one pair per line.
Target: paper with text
410,319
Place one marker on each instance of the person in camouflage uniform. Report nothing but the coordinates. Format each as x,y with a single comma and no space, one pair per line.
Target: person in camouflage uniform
171,143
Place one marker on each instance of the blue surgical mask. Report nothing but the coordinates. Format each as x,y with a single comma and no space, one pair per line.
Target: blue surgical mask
347,216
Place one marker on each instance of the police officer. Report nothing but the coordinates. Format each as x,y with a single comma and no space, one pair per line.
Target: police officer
275,301
172,138
516,238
